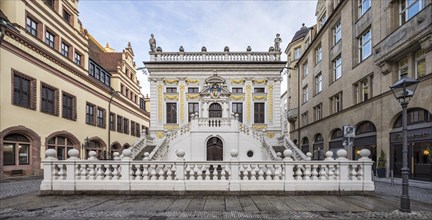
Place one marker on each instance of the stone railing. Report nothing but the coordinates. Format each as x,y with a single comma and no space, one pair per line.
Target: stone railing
214,122
138,146
124,175
162,149
297,153
215,56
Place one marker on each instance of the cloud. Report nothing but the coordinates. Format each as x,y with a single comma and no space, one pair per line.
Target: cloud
193,24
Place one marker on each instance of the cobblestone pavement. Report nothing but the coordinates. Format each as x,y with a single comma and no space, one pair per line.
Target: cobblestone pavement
21,200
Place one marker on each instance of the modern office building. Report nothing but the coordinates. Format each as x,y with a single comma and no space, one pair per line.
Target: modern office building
341,73
61,89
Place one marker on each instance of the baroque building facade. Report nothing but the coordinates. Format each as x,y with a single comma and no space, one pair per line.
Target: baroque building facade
340,73
61,89
210,103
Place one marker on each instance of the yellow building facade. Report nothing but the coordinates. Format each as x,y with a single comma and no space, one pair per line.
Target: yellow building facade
61,89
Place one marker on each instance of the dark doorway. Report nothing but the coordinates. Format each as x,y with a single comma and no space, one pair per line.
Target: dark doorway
215,111
214,149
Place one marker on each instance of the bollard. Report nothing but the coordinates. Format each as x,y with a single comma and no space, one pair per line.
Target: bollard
392,177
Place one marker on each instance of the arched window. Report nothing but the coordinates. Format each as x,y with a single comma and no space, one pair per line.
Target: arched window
414,116
115,147
337,134
215,110
62,145
95,145
16,150
365,127
305,145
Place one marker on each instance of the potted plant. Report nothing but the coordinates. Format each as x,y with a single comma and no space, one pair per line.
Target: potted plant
381,167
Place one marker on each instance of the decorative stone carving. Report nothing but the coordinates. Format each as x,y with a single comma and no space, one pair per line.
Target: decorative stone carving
270,134
203,49
192,96
159,49
226,49
259,126
171,97
181,49
426,43
259,97
385,68
259,81
271,49
171,127
249,49
170,81
237,97
192,81
160,135
277,42
237,81
152,43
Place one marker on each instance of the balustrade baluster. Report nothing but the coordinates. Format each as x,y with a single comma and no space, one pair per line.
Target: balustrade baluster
359,172
253,172
314,173
322,172
138,173
352,172
99,172
153,172
145,172
188,172
260,172
169,172
307,172
269,172
84,169
336,172
107,172
92,173
278,172
161,174
196,170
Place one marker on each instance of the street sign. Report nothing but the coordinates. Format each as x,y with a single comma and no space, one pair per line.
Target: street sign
349,131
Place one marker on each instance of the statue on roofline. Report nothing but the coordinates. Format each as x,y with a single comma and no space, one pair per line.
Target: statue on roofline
152,43
277,42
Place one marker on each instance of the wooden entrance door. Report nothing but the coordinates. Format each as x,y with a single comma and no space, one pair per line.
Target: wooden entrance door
214,149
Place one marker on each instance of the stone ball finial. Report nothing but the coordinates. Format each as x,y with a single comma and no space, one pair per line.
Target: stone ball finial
234,153
146,156
73,154
116,156
181,49
288,153
279,154
329,155
203,49
249,49
159,49
180,153
309,155
51,154
271,49
364,153
226,49
92,155
342,153
127,155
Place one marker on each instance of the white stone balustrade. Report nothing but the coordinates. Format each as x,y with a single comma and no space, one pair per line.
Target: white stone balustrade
215,56
74,175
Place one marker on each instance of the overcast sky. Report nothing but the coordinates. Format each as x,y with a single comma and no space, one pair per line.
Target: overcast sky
193,24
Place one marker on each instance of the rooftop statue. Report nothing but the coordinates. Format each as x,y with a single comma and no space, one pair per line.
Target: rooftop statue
277,42
152,43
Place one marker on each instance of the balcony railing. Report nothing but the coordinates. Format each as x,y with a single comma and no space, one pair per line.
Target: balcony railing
124,175
215,56
292,114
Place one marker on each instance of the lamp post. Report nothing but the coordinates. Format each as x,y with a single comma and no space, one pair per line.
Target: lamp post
403,90
113,92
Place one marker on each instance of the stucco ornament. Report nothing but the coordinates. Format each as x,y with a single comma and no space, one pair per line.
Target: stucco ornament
215,90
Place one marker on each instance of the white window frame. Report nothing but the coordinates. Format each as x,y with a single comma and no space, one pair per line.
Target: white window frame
363,6
318,54
365,41
337,33
419,58
337,65
318,83
404,9
305,94
323,19
297,53
305,69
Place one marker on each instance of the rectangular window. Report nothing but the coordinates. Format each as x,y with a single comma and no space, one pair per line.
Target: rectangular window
50,3
133,128
365,90
297,53
318,54
90,114
23,154
91,69
259,90
305,69
125,125
48,100
119,123
100,117
420,65
323,19
171,113
336,103
137,130
365,45
318,83
409,8
64,49
193,90
305,94
337,65
363,6
142,104
49,39
337,34
8,154
171,90
237,90
237,108
97,73
403,67
21,95
31,26
68,107
66,16
112,123
259,116
318,112
77,59
192,109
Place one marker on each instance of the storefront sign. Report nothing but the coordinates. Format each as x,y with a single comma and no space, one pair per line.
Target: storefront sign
412,135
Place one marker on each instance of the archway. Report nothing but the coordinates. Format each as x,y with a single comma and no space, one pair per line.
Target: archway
365,139
214,149
318,147
215,110
62,142
305,145
115,147
336,140
98,145
419,144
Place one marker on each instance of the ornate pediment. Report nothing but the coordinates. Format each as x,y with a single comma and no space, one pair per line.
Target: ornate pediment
215,87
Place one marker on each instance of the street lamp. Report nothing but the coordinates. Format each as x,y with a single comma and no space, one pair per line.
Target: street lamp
108,152
403,90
